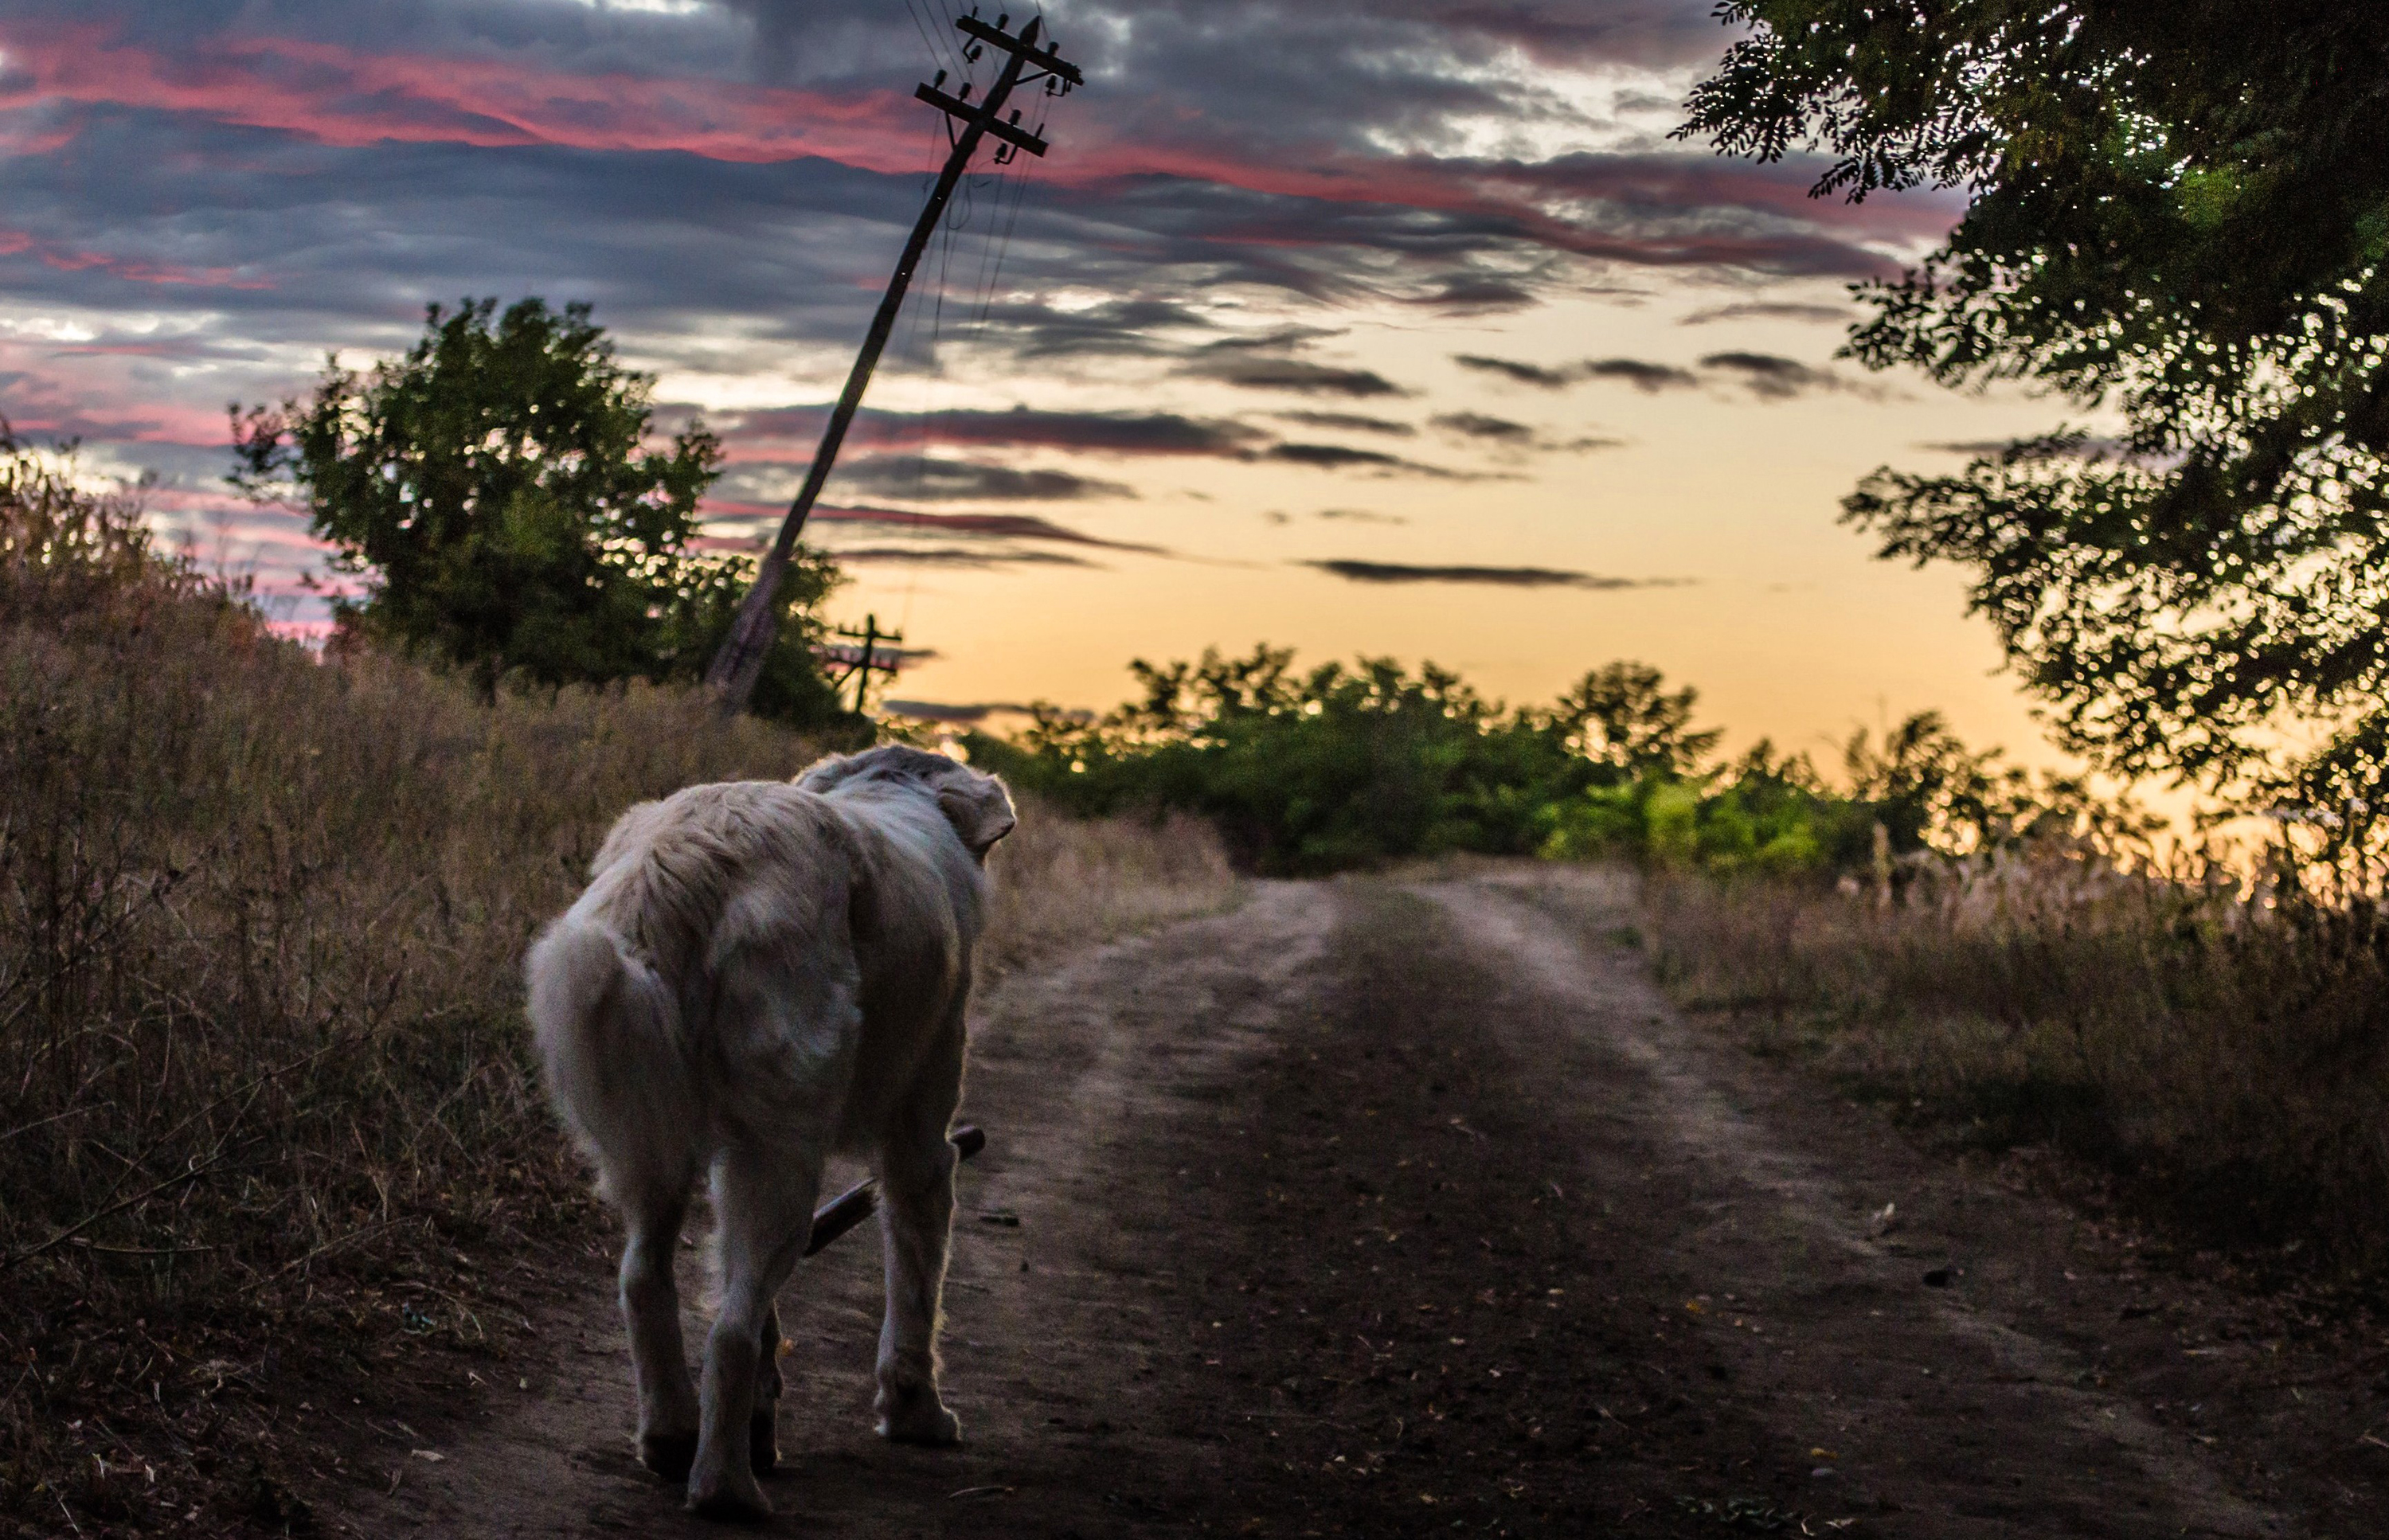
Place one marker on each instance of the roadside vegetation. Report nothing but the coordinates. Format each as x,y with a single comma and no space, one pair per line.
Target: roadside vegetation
1336,766
2216,1053
269,1134
2008,955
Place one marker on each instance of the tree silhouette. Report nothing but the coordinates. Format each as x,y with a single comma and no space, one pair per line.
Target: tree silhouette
2179,214
496,491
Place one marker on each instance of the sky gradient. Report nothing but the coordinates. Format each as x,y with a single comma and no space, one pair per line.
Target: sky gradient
1396,328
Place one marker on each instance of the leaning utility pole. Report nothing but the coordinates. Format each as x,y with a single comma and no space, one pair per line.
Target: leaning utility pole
740,662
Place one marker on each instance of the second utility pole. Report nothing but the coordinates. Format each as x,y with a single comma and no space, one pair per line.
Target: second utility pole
740,663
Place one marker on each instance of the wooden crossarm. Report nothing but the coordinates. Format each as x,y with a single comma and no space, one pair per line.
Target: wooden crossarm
954,107
1043,58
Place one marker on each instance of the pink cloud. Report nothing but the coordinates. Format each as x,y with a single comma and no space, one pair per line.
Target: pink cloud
338,95
342,97
18,243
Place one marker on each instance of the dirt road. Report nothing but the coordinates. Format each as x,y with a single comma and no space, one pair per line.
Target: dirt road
1382,1208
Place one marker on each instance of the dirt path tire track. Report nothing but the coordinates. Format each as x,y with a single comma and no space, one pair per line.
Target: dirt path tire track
1378,1209
1945,1413
1066,1066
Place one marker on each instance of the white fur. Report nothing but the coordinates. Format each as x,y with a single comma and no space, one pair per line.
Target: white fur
760,973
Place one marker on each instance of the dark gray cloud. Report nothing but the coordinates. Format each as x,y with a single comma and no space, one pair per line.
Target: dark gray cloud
1514,438
973,556
1769,311
2089,446
1500,577
1766,376
1358,516
1297,376
1639,373
1494,430
930,478
1125,433
1773,378
989,526
1347,422
1342,457
1516,371
1129,328
1468,294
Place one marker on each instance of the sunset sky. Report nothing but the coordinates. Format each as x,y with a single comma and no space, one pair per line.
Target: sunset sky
1396,328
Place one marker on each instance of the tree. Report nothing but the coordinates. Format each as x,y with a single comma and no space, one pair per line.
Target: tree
496,491
1624,717
2178,214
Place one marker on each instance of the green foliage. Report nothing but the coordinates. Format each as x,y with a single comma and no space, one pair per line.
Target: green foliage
1348,767
495,489
2178,214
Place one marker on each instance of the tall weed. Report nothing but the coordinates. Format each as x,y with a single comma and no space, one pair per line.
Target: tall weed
2223,1056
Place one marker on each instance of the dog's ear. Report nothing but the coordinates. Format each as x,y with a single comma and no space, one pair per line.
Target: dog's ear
979,809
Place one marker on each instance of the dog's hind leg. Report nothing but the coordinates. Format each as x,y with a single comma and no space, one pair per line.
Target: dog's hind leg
763,1423
764,1201
916,1217
786,1041
651,1311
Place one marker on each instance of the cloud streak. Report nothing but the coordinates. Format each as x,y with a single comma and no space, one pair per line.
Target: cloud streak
1495,577
1299,377
1111,433
1768,376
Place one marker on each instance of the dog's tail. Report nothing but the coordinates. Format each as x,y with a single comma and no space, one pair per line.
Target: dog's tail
610,1040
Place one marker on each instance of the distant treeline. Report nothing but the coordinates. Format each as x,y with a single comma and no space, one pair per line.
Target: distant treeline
1343,767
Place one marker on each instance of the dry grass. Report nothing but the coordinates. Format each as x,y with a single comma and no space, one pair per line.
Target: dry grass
267,1129
2225,1063
1061,882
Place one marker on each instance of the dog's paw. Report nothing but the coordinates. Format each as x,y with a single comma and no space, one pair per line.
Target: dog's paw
732,1498
917,1417
667,1454
764,1440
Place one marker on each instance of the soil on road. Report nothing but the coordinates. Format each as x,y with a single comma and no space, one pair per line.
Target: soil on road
1387,1208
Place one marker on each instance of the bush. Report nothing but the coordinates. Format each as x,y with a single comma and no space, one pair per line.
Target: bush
1344,767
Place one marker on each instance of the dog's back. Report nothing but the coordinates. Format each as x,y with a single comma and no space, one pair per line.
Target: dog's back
838,909
621,996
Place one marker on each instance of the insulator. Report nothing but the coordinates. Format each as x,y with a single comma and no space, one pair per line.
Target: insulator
1001,19
1016,114
966,90
940,80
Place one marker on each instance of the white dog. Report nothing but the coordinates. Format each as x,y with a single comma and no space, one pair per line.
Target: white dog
760,973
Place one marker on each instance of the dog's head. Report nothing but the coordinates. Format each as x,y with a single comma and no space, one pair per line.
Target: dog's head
976,802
